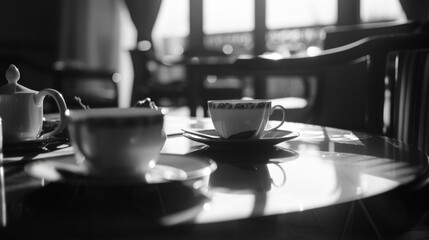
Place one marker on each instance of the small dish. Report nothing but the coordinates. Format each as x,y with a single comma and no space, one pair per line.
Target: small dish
268,140
39,144
48,143
169,168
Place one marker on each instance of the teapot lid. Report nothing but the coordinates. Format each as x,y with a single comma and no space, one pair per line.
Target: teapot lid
12,86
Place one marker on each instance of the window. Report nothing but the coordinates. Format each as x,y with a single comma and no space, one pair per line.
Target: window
381,10
171,27
228,25
226,16
292,13
296,26
292,25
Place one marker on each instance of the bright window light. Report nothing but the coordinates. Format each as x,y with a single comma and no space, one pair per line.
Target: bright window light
293,13
226,16
381,10
172,23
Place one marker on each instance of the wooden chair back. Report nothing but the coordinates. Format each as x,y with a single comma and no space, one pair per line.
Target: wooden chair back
390,100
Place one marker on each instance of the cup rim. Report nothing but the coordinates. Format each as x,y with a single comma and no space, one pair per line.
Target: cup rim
110,113
235,101
236,104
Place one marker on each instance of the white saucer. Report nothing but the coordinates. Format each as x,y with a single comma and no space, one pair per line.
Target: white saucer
169,168
269,139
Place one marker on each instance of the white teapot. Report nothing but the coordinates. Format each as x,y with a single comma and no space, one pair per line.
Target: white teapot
21,110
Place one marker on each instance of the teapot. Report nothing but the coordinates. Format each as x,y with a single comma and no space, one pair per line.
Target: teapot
21,110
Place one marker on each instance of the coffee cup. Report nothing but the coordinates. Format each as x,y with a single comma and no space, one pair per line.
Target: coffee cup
21,110
235,119
117,141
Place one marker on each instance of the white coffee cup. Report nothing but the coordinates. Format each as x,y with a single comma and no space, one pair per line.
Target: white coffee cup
242,117
117,141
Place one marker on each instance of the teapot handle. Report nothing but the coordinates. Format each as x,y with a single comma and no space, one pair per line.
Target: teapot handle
39,97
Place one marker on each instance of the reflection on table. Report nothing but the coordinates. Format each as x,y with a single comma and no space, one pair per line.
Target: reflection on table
327,183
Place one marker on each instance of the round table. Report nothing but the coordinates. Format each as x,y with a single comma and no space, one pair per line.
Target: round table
326,183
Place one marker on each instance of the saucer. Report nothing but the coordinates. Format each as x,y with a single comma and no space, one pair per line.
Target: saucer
39,144
267,140
239,156
48,143
170,167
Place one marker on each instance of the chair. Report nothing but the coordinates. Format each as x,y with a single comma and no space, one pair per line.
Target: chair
336,36
188,73
98,88
147,84
211,78
301,107
392,98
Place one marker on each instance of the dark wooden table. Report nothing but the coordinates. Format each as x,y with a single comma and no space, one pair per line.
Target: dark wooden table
325,184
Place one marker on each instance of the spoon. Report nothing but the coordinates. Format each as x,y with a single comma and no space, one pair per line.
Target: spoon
200,134
241,135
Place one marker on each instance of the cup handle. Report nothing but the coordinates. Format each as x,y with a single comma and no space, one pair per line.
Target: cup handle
283,181
61,106
283,117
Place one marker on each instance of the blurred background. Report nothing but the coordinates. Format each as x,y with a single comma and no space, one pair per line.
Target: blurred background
114,52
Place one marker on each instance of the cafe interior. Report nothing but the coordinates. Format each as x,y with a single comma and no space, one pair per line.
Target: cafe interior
351,75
